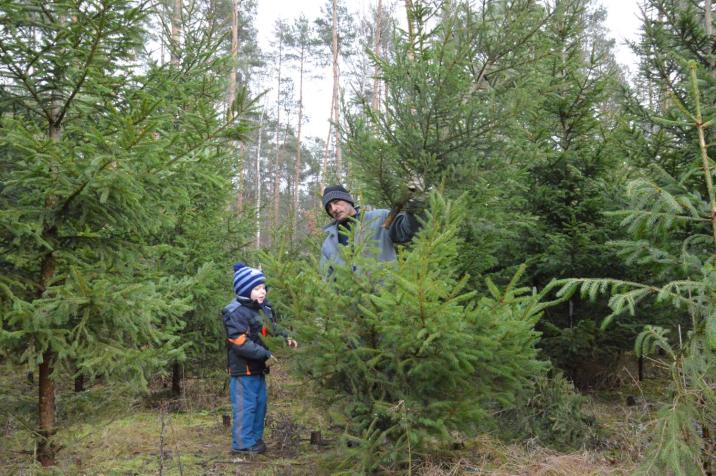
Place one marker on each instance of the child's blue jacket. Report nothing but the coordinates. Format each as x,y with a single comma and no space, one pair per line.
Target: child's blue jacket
246,351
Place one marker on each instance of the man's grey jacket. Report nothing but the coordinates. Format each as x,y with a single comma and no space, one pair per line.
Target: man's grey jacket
370,227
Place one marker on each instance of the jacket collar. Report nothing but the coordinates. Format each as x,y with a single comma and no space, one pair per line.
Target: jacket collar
247,302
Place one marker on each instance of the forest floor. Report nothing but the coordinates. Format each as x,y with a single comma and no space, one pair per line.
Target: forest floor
106,432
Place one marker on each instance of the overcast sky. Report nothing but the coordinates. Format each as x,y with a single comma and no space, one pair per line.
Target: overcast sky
622,22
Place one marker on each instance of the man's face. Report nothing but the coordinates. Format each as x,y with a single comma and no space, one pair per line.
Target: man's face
341,210
258,294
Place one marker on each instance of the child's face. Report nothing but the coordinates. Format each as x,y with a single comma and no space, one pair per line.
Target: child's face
258,294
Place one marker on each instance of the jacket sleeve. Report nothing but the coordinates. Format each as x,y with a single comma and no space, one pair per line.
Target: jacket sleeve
323,265
279,331
326,264
403,228
237,335
276,329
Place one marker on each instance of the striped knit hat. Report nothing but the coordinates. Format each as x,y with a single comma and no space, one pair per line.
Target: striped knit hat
246,279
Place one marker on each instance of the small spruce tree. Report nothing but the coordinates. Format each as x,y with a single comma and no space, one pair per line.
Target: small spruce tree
408,355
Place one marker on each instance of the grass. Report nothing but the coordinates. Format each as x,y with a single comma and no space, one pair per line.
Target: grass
107,430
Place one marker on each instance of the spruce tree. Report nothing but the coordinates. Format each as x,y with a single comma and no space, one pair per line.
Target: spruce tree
404,352
568,145
673,226
99,150
451,108
205,233
669,218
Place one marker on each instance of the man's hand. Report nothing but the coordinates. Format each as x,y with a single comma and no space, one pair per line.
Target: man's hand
415,205
416,184
405,199
270,361
292,343
416,202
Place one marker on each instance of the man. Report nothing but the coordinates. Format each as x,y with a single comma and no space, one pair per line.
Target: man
340,205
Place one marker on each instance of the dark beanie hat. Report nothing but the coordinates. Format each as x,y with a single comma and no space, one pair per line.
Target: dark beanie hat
336,192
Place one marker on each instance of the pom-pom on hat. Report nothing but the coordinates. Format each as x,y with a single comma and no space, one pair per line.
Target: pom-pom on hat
246,279
336,192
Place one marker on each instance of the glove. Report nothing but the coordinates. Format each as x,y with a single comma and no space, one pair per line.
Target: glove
415,205
270,361
416,184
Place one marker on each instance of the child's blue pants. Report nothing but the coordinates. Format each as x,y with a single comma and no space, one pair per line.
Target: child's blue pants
248,405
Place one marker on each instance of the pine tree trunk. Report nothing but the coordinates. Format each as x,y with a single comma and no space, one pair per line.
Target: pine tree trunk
709,30
79,383
242,179
276,187
411,27
177,371
231,97
231,88
326,148
640,370
276,165
45,449
176,32
258,182
375,99
336,94
297,167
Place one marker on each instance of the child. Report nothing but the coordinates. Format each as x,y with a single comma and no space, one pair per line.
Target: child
246,318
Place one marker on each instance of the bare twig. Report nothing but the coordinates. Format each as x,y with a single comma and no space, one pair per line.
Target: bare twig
177,453
162,412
